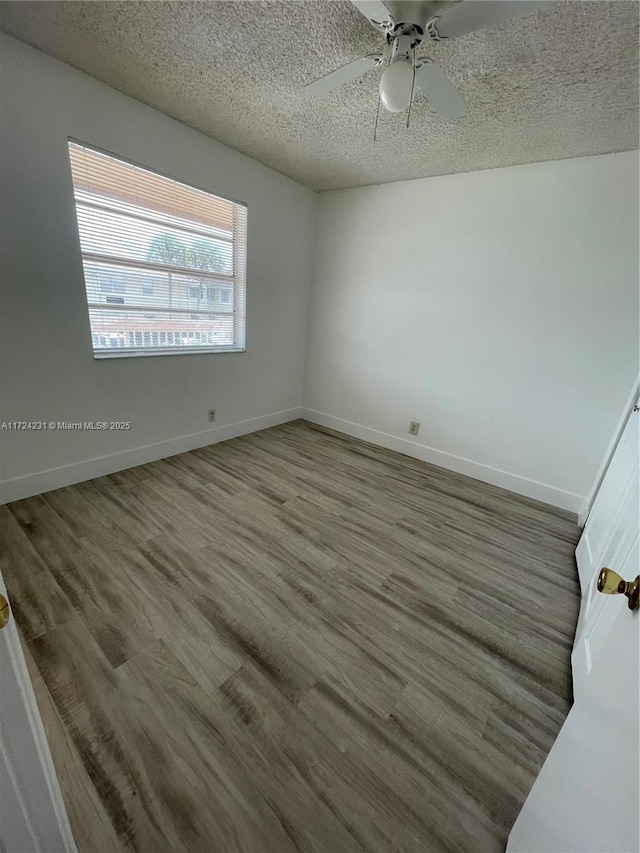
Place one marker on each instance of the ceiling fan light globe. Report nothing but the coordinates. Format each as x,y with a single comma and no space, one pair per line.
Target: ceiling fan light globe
396,84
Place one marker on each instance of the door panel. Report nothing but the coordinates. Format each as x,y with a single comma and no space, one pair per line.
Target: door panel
601,527
609,533
600,611
586,797
32,814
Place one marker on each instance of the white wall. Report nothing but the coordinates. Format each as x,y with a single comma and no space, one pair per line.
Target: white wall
48,370
499,309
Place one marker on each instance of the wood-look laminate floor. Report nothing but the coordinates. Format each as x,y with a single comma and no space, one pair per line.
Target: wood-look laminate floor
293,641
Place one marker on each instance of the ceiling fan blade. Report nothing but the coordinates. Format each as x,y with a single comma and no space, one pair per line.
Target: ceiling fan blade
471,15
375,11
440,91
343,75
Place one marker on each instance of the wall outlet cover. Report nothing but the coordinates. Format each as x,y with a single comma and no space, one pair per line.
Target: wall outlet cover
212,414
414,427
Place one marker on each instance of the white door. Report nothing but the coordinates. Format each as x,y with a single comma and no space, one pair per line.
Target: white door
606,540
32,814
586,798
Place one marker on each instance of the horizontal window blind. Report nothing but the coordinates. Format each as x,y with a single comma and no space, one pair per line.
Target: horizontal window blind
164,263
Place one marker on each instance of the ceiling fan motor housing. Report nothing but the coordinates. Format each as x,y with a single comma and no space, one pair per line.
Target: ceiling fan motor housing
404,38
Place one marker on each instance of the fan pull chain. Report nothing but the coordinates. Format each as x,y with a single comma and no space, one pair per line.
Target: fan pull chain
413,84
375,127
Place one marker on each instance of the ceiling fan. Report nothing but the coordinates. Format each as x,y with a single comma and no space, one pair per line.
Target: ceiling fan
415,23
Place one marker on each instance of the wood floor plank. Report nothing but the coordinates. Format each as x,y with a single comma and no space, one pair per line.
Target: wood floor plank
92,824
196,794
37,601
294,641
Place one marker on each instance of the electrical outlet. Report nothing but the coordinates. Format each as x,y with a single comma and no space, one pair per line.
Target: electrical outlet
414,427
212,414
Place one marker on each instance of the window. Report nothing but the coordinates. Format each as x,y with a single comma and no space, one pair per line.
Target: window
154,251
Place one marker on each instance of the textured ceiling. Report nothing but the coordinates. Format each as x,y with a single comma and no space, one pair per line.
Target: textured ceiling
561,83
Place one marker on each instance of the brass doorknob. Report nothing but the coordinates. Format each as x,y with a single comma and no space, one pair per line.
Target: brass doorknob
611,583
4,611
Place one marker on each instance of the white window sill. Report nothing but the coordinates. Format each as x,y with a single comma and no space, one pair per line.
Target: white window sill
127,352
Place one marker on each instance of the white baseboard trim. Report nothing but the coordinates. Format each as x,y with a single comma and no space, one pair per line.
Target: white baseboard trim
66,475
494,476
583,512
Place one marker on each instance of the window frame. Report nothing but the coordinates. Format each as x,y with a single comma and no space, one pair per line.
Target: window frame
209,278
